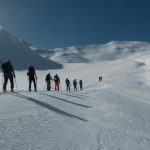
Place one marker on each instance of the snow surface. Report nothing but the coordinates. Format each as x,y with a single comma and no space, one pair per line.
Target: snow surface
108,115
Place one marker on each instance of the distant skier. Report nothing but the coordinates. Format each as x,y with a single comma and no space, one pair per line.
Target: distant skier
100,79
57,82
48,80
32,77
75,84
81,84
68,84
9,73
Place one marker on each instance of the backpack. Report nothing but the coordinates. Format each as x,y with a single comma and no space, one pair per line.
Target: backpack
31,71
56,79
48,77
74,82
67,81
6,68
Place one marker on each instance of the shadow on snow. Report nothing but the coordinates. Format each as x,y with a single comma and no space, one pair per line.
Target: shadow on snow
81,105
48,106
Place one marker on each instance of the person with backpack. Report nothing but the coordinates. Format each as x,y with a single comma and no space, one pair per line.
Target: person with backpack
32,77
81,84
68,84
48,80
100,79
57,82
9,73
75,84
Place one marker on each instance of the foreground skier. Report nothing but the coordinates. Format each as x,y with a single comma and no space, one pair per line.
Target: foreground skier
9,73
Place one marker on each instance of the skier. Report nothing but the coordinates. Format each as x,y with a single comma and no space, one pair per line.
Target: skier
81,84
32,77
57,82
75,84
68,84
100,79
48,80
9,73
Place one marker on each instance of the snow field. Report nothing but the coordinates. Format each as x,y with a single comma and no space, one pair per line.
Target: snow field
110,115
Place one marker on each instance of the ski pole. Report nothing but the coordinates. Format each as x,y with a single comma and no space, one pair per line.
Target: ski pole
27,83
2,82
36,82
45,85
52,85
16,85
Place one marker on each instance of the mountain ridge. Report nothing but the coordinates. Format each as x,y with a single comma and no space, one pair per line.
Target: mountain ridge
96,52
21,55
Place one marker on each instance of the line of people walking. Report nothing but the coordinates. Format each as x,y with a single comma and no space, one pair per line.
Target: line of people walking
49,80
9,74
75,84
56,80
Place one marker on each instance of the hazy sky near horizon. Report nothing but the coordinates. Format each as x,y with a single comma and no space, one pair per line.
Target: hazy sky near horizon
62,23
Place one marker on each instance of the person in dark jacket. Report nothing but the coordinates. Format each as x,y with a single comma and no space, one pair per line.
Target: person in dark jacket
57,82
75,84
100,79
68,84
32,77
9,73
48,80
81,84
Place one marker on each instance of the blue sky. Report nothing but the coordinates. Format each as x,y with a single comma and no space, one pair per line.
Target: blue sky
61,23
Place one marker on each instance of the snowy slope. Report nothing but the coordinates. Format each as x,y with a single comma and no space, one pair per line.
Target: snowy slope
95,53
108,115
21,55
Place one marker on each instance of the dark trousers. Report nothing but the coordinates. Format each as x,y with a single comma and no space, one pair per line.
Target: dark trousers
48,85
68,87
32,79
80,86
75,87
100,79
56,86
10,77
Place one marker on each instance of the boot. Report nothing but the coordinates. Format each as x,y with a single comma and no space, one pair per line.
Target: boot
12,90
4,90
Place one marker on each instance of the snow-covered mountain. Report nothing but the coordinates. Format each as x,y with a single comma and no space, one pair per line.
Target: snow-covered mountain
95,53
108,115
21,55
